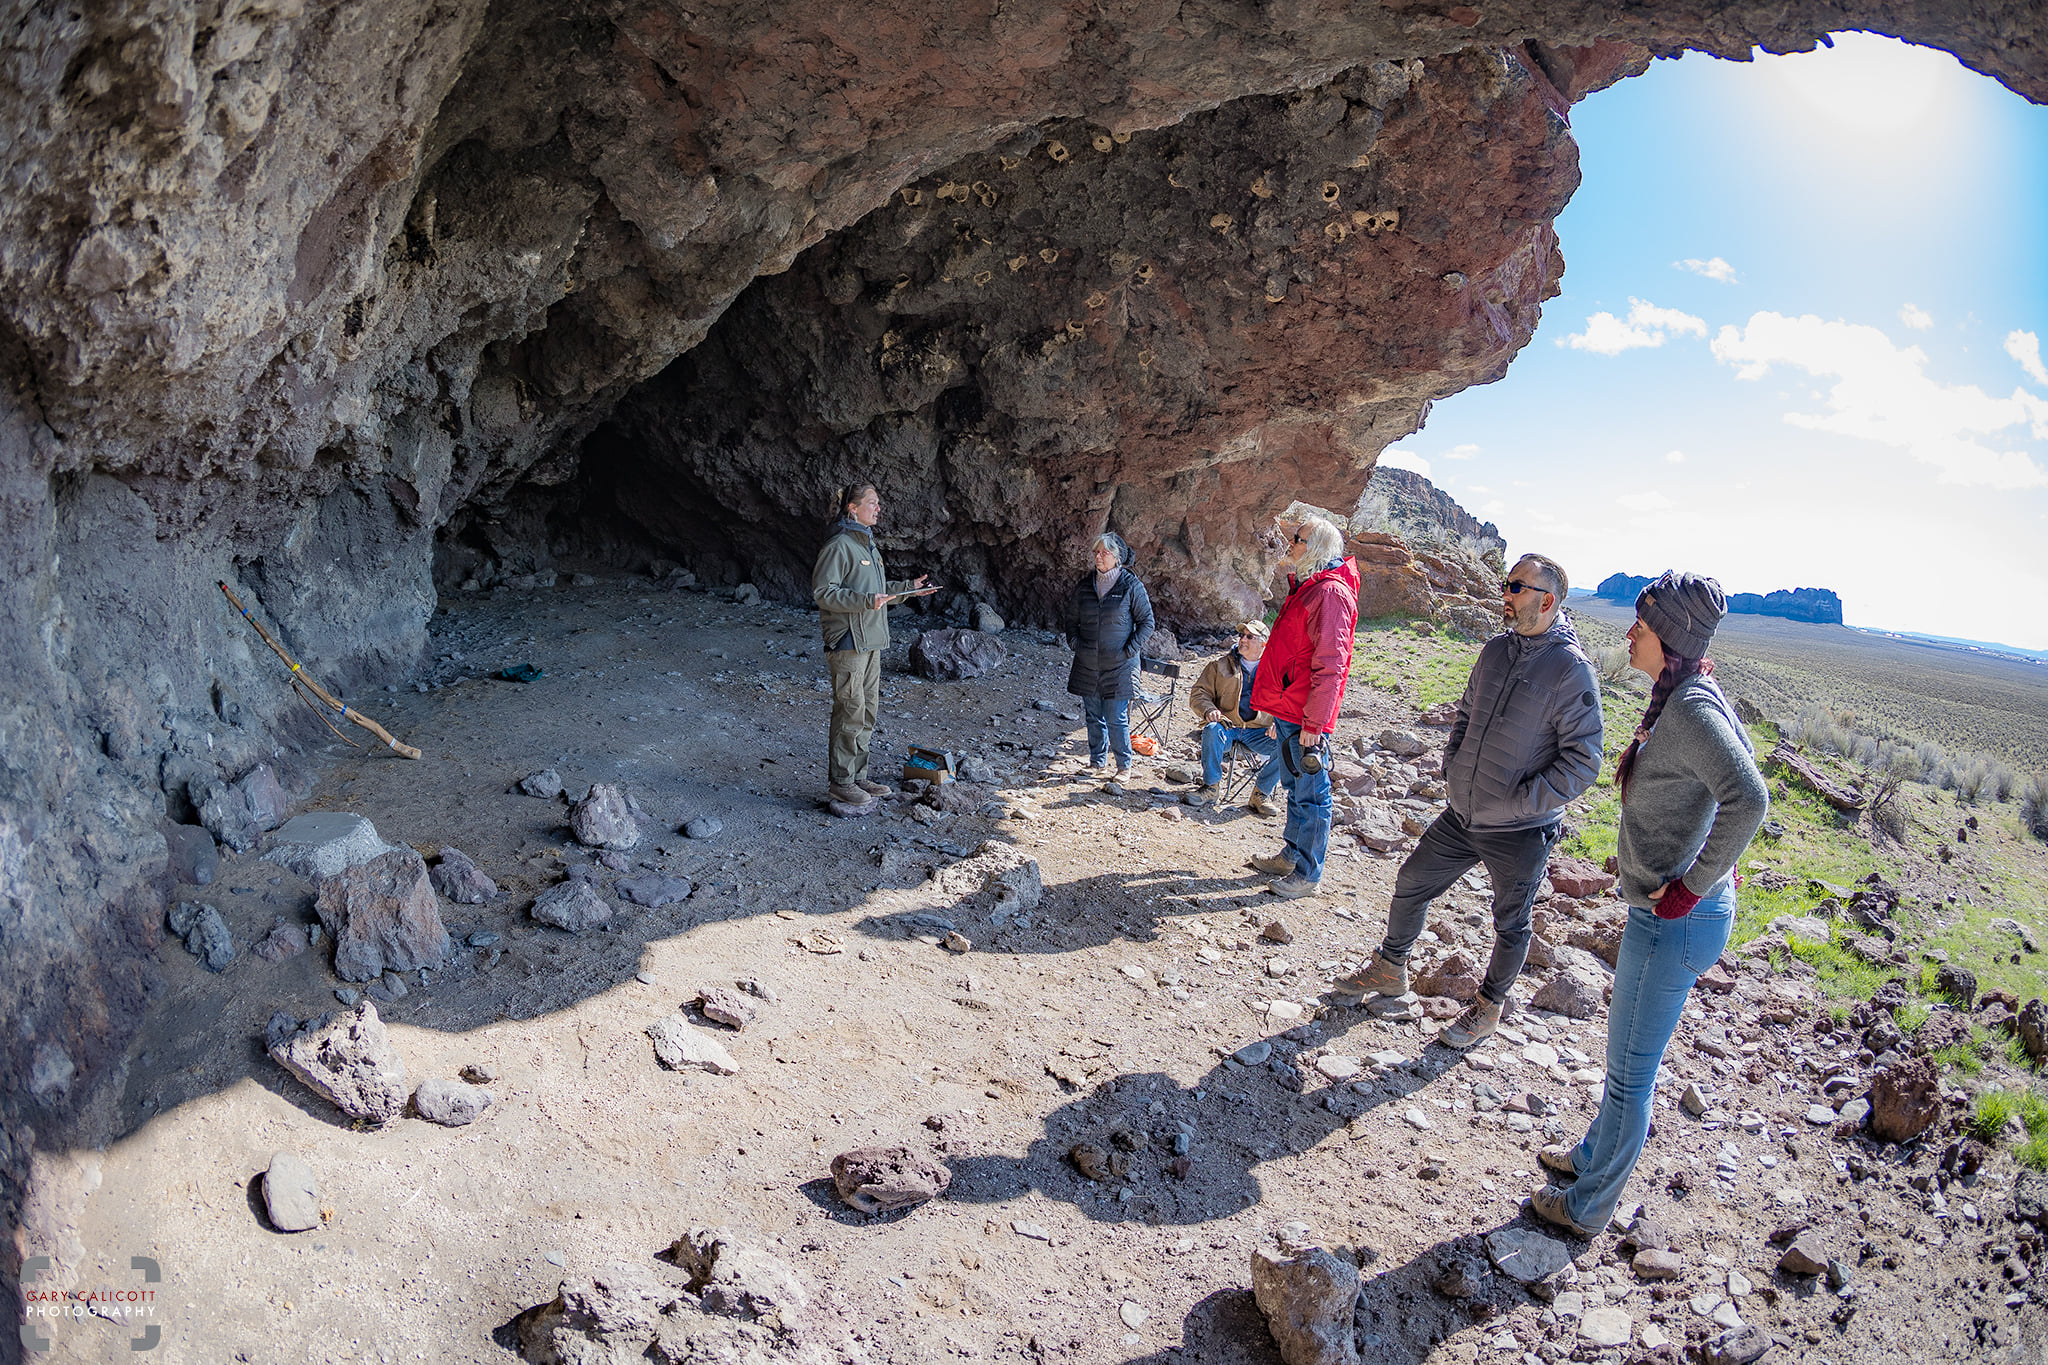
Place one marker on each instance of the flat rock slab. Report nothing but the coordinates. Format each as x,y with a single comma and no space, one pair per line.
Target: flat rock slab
573,905
384,916
652,891
322,843
884,1179
725,1007
291,1194
1738,1347
1606,1326
680,1045
1526,1257
346,1056
451,1104
1307,1295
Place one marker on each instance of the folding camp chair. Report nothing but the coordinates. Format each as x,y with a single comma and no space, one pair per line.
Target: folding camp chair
1150,710
1240,768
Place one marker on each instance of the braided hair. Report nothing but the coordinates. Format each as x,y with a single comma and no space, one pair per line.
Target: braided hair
1677,668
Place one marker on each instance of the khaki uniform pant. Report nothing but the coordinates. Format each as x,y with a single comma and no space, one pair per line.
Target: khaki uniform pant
856,698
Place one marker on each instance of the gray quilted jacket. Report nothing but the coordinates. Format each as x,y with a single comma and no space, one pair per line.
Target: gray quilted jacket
1527,737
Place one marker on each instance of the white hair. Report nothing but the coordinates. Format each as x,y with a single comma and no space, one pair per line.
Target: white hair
1321,541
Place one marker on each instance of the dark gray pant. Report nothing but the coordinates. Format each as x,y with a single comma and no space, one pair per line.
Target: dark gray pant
1515,859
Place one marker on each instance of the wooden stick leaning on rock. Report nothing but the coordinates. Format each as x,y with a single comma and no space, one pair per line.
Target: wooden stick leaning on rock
298,676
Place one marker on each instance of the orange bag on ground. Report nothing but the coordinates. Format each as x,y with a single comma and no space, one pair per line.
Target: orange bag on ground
1145,744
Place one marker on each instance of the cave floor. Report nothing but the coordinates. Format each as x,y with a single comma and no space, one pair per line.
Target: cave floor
437,1237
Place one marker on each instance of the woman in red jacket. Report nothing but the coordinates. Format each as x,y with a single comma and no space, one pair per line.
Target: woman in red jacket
1301,683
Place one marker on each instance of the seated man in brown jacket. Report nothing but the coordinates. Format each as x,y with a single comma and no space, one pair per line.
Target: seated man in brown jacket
1221,697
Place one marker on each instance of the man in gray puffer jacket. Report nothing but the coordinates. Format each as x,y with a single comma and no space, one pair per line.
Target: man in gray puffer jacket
1526,741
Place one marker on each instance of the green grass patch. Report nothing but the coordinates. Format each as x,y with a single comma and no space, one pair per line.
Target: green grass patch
1424,669
1912,1015
1842,973
1963,1057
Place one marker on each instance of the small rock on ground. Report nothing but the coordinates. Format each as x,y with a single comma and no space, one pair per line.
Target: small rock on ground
680,1045
291,1194
572,905
450,1103
883,1179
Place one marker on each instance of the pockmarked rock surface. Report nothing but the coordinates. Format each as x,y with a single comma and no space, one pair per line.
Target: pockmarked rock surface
1306,1295
345,1056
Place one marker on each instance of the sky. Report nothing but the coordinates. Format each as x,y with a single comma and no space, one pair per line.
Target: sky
1803,342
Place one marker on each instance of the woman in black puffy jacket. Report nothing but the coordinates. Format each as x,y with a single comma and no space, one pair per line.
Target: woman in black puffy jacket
1109,617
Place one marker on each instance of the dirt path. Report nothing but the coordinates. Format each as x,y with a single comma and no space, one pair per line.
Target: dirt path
1139,974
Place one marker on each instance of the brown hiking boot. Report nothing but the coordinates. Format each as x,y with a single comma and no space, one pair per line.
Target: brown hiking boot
1377,977
1262,804
1549,1204
1558,1161
873,788
1479,1020
1279,864
846,794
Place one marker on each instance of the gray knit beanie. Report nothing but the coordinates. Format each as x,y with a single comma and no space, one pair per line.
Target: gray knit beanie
1683,608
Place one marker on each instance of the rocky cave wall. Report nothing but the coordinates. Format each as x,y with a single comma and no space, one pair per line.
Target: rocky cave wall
288,288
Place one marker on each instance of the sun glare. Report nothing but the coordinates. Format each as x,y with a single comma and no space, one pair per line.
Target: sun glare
1867,86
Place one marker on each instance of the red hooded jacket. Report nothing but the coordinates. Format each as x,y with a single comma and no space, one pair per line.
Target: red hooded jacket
1308,659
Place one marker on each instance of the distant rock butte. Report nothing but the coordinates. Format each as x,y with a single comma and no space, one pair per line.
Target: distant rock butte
1818,605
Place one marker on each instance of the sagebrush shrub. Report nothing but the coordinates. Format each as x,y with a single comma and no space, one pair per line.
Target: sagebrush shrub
2034,805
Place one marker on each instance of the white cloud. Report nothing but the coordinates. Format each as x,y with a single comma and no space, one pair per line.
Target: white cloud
2025,347
1716,269
1647,326
1919,319
1646,502
1883,394
1463,452
1674,457
1493,509
1400,458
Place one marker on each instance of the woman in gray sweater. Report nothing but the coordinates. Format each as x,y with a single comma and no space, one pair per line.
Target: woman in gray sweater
1691,801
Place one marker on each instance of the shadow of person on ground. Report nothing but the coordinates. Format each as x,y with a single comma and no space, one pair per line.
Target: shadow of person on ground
1236,1117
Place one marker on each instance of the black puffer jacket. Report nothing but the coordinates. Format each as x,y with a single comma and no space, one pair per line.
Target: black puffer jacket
1106,634
1527,737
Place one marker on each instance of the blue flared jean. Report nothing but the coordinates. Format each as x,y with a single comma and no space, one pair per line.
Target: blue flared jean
1109,729
1308,806
1660,959
1216,741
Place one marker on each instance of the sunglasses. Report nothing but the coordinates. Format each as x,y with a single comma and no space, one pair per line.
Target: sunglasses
1515,586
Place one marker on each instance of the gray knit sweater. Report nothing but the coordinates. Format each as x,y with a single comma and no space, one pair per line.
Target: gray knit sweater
1695,798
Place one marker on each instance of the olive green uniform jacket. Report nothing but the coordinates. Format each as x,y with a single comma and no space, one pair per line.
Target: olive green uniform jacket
848,575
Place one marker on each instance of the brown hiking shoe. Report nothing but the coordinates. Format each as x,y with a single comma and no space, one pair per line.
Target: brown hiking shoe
846,794
1262,804
1479,1020
1558,1161
1377,977
1274,864
1293,887
1549,1204
873,788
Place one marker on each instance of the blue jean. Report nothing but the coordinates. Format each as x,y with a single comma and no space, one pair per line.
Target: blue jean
1308,805
1109,728
1660,959
1216,742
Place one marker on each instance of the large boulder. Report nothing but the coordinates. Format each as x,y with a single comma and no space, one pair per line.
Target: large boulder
1307,1295
955,654
346,1056
384,917
2031,1026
